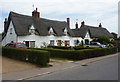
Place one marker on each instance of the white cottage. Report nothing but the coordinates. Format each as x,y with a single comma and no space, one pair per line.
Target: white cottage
35,31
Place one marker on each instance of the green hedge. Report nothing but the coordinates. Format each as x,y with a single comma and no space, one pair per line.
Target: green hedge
60,47
79,54
40,57
80,47
118,48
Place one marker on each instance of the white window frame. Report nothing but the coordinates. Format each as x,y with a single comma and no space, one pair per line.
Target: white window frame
52,42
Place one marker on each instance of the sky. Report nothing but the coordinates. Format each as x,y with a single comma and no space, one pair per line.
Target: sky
92,12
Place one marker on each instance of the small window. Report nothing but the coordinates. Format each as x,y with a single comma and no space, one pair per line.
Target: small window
52,42
67,43
32,43
75,42
65,31
20,46
10,30
32,31
10,45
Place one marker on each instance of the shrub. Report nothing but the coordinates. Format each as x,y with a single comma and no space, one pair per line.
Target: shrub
118,48
103,39
59,47
79,54
80,47
40,57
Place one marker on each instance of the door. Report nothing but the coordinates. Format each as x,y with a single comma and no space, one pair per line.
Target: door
59,43
65,43
27,43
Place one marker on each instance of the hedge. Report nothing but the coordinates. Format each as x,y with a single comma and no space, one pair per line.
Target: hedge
60,47
80,48
79,54
118,48
40,58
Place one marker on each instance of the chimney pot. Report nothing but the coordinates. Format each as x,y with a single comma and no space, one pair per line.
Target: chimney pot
68,22
36,9
36,14
5,24
82,24
100,25
76,25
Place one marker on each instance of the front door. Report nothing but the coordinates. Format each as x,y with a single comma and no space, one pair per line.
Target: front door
59,43
65,43
27,43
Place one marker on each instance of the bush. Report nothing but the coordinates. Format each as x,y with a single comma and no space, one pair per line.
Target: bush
118,48
80,47
79,54
40,57
103,40
59,47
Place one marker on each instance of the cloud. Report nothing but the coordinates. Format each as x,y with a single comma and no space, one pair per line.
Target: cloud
92,11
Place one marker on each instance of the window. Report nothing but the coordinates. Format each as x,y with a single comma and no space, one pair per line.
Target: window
20,46
52,42
10,45
10,30
32,43
86,41
65,31
67,43
75,42
32,31
59,42
51,31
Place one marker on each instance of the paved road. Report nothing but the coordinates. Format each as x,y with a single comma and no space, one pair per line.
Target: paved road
106,69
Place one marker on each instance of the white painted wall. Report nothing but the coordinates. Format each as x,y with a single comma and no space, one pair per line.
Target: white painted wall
10,37
87,36
40,39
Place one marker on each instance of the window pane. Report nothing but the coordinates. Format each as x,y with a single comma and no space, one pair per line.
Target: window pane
32,43
52,42
20,46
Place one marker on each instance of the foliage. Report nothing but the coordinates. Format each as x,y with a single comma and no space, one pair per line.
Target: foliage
103,39
114,34
60,47
81,47
40,58
79,54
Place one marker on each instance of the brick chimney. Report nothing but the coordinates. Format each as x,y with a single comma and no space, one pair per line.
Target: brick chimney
82,24
36,14
5,24
100,25
68,22
76,25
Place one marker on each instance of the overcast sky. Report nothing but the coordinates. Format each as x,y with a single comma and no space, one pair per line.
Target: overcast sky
92,12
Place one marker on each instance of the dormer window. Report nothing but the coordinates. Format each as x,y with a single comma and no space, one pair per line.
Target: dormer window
51,32
32,30
65,31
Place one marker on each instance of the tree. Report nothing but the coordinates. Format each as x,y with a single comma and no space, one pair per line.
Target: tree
114,34
103,39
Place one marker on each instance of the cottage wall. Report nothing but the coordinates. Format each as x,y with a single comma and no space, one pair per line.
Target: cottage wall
10,36
40,40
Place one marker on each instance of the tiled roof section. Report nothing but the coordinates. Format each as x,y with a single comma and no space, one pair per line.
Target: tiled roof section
94,32
22,23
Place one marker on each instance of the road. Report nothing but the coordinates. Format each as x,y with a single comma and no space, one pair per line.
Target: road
105,69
